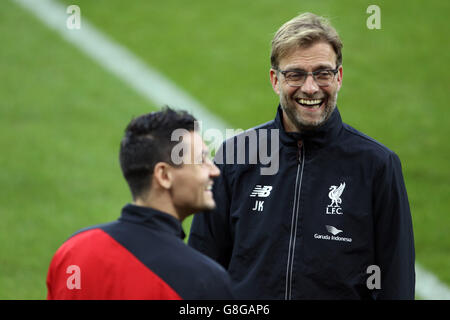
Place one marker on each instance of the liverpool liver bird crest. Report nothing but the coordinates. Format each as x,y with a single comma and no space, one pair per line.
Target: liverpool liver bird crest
335,195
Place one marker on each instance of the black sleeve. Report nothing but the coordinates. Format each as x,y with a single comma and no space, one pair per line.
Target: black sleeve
215,285
210,231
394,240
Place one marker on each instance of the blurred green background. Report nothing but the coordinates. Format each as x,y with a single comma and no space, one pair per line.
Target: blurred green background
62,115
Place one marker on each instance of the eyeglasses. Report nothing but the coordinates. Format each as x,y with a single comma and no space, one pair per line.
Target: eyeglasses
322,77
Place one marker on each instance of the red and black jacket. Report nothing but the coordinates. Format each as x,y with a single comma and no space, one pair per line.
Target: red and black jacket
139,256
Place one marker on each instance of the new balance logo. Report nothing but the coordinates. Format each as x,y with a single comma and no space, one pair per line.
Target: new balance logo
261,191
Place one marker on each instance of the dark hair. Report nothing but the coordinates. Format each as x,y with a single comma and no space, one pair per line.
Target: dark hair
147,141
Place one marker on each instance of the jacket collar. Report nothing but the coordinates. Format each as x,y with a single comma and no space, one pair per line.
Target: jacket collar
152,218
319,137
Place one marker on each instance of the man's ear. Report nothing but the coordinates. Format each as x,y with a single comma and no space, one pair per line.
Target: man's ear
163,175
274,80
339,77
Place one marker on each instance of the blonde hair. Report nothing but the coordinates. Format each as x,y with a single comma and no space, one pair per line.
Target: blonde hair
303,31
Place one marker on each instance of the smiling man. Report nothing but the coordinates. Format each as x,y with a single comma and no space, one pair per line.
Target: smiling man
334,221
142,254
307,101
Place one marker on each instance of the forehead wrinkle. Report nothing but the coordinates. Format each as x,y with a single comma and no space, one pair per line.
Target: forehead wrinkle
308,64
310,58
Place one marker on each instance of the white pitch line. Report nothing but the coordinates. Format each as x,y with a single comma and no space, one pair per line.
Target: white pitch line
429,287
157,89
120,62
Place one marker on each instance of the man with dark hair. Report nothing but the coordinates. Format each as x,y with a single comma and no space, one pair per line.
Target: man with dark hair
142,254
334,221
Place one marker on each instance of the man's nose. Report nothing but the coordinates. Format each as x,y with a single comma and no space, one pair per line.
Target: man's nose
310,86
214,171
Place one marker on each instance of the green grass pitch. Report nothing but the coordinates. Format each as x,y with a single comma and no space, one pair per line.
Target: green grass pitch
62,116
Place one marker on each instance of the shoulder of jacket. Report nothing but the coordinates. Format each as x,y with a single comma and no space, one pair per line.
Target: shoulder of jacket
202,264
204,275
267,126
231,144
369,144
90,228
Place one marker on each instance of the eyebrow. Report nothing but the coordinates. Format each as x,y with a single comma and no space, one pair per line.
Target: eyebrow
319,67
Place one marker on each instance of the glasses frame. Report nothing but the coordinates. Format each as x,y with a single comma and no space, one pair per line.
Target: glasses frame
312,73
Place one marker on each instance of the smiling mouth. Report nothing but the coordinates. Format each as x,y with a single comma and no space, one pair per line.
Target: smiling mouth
310,103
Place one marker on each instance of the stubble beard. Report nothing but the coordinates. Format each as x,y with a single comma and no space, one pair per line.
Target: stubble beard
290,109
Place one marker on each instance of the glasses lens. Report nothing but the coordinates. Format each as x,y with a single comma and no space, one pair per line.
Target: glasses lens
295,79
323,78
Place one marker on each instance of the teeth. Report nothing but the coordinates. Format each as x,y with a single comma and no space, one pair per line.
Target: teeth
209,188
309,102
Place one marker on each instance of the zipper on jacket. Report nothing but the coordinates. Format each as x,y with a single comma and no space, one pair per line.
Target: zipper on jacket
294,221
299,150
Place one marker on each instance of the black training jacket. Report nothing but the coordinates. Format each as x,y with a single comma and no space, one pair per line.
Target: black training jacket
333,222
